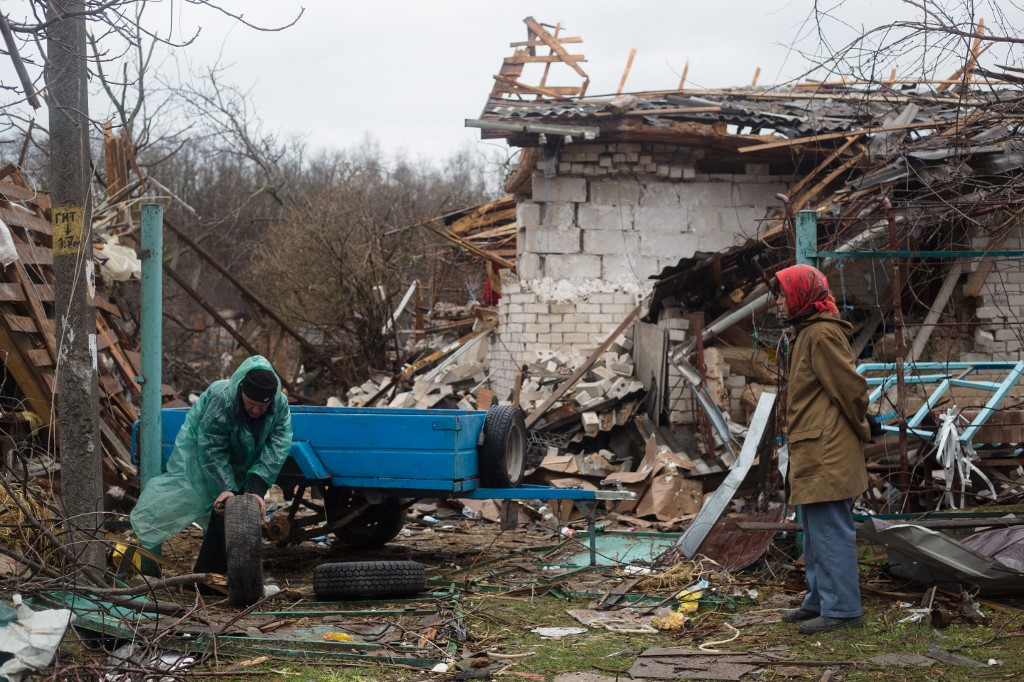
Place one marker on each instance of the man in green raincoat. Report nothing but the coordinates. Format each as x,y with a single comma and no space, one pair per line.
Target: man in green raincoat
234,441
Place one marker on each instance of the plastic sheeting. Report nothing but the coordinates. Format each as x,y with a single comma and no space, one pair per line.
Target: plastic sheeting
31,640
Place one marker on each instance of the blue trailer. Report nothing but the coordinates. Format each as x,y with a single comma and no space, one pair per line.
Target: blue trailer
357,469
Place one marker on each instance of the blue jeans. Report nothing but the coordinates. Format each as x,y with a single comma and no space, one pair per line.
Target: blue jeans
830,552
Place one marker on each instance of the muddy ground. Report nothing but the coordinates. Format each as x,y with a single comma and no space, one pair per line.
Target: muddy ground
517,604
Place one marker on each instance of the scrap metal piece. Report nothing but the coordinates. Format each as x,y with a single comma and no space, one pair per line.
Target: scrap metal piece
927,556
700,392
690,541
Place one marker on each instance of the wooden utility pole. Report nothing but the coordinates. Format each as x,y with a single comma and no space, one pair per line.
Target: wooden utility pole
77,395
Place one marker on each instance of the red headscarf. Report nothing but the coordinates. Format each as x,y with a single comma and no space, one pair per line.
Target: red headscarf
805,288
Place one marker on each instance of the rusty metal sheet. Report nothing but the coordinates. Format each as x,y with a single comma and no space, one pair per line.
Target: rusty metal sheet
736,549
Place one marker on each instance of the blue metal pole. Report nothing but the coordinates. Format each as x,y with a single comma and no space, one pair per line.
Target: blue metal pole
152,339
807,238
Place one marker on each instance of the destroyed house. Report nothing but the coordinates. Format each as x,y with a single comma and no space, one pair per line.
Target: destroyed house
684,202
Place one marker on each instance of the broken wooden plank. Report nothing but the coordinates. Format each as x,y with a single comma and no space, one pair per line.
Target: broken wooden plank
10,291
468,245
20,323
796,141
552,42
32,384
625,73
29,221
531,59
555,92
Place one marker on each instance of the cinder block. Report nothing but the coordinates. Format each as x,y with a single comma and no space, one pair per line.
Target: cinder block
610,242
661,218
633,266
559,189
709,194
717,241
528,265
705,219
527,214
614,192
602,217
659,194
544,241
759,194
572,266
740,219
558,214
669,245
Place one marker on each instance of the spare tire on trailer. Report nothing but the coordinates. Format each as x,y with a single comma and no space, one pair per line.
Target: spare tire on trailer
502,457
365,579
242,530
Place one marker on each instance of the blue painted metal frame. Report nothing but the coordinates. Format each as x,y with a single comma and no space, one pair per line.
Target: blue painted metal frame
411,453
951,374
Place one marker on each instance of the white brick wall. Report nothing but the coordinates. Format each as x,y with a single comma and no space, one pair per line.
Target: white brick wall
601,219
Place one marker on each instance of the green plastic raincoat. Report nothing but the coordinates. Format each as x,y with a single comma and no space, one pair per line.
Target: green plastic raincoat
214,451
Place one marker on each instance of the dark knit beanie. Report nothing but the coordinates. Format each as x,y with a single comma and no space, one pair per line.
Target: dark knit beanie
259,385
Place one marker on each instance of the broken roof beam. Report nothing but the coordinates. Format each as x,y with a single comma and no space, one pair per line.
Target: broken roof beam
553,43
796,141
468,245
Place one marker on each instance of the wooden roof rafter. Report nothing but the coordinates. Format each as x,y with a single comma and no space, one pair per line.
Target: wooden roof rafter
507,80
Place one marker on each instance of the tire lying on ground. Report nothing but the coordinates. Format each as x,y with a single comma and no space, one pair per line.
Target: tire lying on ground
503,453
244,549
358,579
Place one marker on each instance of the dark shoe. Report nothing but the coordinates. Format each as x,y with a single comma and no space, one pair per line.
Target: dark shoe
826,624
798,615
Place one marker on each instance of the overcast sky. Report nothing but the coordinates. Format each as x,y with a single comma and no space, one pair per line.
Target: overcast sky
409,72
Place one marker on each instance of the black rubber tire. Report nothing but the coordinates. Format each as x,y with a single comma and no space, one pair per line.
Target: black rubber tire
366,579
378,525
242,538
503,454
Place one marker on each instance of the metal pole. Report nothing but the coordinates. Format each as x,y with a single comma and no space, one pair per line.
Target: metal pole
901,351
807,238
77,394
152,340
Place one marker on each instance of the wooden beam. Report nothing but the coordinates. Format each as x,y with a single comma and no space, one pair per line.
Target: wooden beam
468,245
796,141
757,74
682,78
553,43
37,395
581,370
964,72
540,43
625,73
555,92
540,59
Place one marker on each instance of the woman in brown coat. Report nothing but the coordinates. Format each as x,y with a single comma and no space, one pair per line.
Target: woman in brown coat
826,420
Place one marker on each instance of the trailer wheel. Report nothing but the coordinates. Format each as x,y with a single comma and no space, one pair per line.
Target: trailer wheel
376,526
503,454
368,579
244,549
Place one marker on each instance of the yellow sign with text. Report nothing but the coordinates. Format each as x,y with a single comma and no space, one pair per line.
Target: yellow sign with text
68,225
